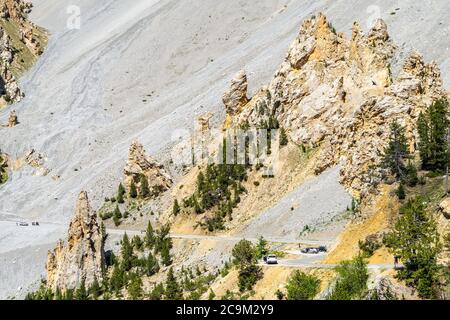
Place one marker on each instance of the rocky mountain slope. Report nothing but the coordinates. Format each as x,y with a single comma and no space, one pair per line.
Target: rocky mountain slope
21,44
80,115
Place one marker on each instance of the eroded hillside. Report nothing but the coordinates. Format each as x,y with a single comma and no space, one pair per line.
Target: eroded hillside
333,97
22,42
333,103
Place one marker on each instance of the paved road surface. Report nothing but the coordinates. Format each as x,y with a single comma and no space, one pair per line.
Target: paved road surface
307,260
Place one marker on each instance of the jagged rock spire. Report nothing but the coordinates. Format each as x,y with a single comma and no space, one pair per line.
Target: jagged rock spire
140,164
12,119
83,257
236,97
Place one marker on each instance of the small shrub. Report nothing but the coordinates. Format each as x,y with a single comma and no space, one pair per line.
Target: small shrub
401,192
302,286
369,245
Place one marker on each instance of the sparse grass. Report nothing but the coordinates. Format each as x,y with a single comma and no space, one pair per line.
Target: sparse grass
24,58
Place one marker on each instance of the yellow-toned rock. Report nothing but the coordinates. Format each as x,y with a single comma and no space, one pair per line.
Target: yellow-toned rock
445,207
82,258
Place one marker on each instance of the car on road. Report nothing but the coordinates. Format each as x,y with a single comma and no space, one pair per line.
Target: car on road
271,259
312,250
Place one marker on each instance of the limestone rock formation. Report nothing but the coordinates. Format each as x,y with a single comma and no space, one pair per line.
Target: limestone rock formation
203,121
140,165
338,94
17,11
12,119
83,256
236,97
11,57
36,160
8,83
444,206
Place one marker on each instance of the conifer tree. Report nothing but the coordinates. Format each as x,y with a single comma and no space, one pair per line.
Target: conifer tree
396,151
176,208
145,191
424,140
127,253
283,137
433,129
149,236
116,280
81,293
166,258
94,289
120,193
117,216
135,287
133,191
172,290
151,265
415,240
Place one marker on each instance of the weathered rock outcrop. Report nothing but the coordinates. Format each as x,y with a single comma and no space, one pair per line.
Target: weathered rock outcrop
236,97
17,11
12,57
12,119
444,206
83,257
140,165
36,160
338,94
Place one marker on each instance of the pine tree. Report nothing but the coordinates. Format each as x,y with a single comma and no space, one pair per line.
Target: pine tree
120,193
145,191
283,137
433,129
166,258
197,208
424,140
157,293
81,293
103,231
58,294
116,281
401,192
94,289
151,265
415,240
411,174
439,129
135,287
172,290
176,208
261,248
117,216
396,151
127,253
133,191
149,236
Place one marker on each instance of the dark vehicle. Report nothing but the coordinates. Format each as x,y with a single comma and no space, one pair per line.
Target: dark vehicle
34,223
312,250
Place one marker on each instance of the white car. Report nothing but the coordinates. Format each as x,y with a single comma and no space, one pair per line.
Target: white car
271,259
